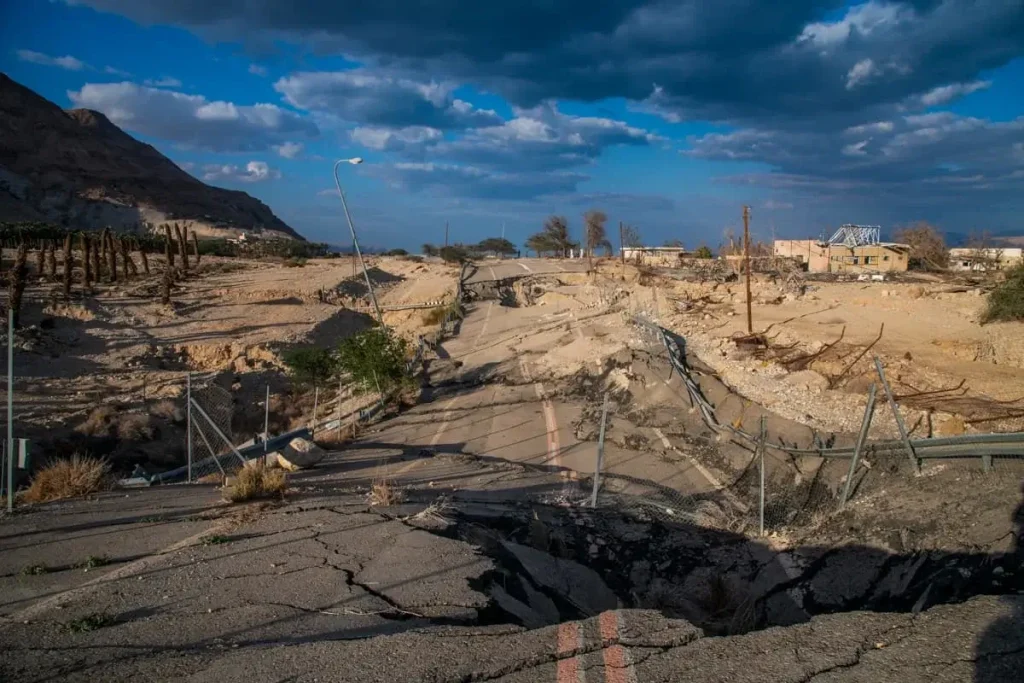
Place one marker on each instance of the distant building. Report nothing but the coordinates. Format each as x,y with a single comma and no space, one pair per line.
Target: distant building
824,257
992,258
668,257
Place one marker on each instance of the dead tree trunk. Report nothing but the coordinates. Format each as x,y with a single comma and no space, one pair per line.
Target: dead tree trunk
104,256
195,241
51,260
168,250
182,246
41,259
129,268
145,259
17,291
165,290
86,265
69,265
97,263
111,257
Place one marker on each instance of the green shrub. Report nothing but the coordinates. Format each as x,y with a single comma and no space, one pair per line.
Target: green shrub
396,252
295,262
703,252
311,366
374,357
454,254
1006,302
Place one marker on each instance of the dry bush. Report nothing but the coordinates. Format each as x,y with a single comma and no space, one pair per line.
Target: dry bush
167,410
434,315
257,481
99,421
213,478
134,427
79,475
383,492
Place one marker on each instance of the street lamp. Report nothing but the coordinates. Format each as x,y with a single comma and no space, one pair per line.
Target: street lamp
352,228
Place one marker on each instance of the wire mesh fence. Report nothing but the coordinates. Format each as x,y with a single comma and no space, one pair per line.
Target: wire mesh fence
209,425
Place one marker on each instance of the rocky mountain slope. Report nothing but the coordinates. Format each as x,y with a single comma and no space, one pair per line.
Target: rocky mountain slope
77,168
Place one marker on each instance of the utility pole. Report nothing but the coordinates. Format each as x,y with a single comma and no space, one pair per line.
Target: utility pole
446,233
503,230
746,264
622,245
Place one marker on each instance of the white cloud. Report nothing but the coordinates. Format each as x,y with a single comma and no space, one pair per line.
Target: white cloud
165,82
855,149
860,20
866,128
288,150
257,70
192,120
116,72
947,93
860,72
254,172
373,137
773,205
66,62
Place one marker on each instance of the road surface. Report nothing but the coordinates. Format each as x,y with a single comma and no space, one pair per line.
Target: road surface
499,269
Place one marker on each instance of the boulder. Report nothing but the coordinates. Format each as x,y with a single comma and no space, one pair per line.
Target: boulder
809,380
299,454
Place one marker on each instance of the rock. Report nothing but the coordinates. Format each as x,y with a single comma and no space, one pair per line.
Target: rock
915,292
953,425
300,454
809,380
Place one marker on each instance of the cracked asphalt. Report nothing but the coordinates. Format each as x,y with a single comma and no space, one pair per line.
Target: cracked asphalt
327,588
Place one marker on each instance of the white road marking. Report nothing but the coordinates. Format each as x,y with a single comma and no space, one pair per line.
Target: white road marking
711,479
483,328
444,421
493,276
525,267
550,423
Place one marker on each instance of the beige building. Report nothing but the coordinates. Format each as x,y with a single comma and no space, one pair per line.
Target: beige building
668,257
822,257
994,258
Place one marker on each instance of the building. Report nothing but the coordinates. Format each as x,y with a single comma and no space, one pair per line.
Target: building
993,258
669,257
852,249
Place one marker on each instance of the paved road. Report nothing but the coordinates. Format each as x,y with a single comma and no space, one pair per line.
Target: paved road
498,269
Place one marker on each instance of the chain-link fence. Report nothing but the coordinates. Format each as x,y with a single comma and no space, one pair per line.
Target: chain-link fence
209,434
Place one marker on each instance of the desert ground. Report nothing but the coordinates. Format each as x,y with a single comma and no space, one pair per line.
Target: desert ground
459,521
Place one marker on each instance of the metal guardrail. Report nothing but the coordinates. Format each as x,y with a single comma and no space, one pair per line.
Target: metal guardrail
967,446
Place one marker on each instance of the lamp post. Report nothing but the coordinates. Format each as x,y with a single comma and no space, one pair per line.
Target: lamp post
352,229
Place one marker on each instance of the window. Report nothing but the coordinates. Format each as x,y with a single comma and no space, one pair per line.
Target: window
885,258
871,260
855,260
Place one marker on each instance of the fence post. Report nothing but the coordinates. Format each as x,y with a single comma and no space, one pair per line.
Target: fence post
266,419
986,463
864,426
339,407
600,452
10,410
914,462
316,400
188,422
761,449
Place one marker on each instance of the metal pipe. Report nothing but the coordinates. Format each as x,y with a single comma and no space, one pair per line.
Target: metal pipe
355,243
764,434
188,408
316,400
864,426
600,452
266,419
10,410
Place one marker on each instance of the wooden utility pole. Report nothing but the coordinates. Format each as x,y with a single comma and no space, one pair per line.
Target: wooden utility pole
622,245
746,264
446,233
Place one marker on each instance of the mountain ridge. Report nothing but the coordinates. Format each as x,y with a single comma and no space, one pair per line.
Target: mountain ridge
76,167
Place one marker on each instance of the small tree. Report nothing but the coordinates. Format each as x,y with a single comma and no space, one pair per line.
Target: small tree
454,254
374,358
703,252
311,365
1006,302
594,231
498,245
430,249
631,237
396,252
927,247
674,243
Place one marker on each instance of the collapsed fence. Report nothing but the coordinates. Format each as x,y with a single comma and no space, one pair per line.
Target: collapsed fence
773,498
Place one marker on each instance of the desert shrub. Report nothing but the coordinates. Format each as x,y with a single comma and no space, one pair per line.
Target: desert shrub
374,357
434,315
167,410
411,257
79,475
99,421
703,252
1006,302
133,427
454,254
311,365
396,252
294,262
384,492
91,622
255,481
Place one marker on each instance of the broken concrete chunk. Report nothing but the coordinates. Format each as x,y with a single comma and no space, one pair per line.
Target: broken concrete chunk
300,454
579,585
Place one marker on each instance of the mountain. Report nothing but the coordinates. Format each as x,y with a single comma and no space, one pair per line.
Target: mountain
77,168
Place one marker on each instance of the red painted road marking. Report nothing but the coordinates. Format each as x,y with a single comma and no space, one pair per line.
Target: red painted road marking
550,423
618,663
569,640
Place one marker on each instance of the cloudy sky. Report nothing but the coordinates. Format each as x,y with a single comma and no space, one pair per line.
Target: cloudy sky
668,114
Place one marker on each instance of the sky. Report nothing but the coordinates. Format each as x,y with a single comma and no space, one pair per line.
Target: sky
669,115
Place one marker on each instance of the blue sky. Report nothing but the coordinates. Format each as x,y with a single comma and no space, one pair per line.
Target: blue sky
669,116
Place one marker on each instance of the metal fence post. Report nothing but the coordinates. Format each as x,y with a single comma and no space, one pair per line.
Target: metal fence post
316,400
339,407
864,426
266,419
761,449
986,463
188,422
10,410
914,462
600,452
